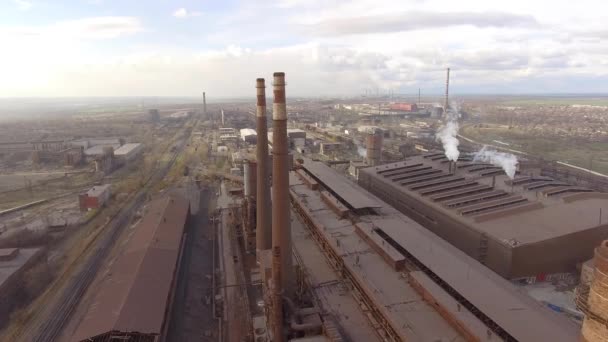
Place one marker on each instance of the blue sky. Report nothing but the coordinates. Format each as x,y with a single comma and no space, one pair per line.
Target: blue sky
326,47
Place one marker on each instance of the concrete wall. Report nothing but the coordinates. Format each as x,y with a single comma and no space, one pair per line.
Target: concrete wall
550,257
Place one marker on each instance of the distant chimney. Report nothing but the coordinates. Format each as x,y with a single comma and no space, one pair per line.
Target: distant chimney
446,105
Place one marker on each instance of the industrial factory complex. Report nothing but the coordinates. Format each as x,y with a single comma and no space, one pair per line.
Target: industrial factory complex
310,221
521,227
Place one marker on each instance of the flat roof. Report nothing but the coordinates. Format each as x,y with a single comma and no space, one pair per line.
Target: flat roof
134,293
529,210
9,267
126,148
98,149
496,297
98,190
407,312
353,195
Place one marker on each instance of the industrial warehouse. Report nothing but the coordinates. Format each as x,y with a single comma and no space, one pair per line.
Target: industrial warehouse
519,228
358,230
135,295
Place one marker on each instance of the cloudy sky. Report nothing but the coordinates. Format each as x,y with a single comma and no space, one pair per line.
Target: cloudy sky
326,47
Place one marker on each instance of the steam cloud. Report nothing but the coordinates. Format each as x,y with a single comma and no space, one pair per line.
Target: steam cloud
448,133
507,161
362,151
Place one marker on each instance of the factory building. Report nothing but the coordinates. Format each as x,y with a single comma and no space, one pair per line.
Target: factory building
14,262
228,134
95,198
134,298
249,136
445,296
520,228
128,152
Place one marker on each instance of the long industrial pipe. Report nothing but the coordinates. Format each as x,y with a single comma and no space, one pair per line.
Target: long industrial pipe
263,229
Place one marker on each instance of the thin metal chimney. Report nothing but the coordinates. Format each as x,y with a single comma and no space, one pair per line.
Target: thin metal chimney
263,233
281,225
447,90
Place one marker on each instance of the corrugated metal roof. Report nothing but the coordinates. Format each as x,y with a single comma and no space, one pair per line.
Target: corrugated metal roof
135,292
498,299
346,190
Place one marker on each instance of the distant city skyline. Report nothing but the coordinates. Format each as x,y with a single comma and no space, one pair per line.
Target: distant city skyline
327,48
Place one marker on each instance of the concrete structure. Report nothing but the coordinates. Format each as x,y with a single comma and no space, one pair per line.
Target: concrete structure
326,148
95,198
446,296
263,218
135,296
128,152
228,134
295,133
100,150
373,143
282,282
14,262
249,135
595,325
521,228
204,105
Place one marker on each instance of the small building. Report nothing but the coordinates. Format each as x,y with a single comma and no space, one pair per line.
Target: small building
295,133
249,135
95,198
328,147
128,152
355,166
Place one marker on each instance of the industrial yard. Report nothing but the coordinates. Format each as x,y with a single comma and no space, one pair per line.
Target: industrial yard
321,220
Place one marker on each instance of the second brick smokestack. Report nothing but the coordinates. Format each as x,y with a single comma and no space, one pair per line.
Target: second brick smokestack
263,233
281,224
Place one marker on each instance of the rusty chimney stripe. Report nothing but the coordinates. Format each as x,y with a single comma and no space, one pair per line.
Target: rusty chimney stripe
279,106
261,95
263,207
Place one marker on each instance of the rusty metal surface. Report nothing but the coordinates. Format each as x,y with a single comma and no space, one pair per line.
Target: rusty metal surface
137,288
340,186
280,182
263,220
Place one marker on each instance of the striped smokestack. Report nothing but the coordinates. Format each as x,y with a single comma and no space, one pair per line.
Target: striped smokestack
263,220
281,226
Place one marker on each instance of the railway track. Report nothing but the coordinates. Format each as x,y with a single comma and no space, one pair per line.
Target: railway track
60,315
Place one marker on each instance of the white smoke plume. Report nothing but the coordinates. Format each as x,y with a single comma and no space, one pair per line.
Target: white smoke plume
362,151
448,133
507,161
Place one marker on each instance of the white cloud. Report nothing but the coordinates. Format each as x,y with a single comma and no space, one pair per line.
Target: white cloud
410,21
184,13
326,47
87,28
23,5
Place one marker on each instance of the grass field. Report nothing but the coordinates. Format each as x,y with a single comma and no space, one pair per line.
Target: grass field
591,155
